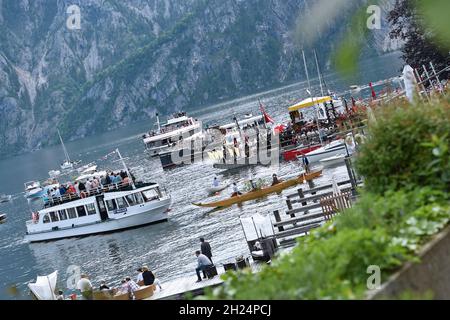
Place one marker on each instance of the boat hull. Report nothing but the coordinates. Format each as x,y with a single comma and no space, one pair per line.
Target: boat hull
291,155
212,190
152,216
317,156
262,192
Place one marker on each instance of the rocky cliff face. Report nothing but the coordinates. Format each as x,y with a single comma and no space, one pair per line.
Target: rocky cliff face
131,59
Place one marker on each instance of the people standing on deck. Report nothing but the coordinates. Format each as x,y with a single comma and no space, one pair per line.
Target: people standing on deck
108,179
205,248
305,163
236,191
203,263
82,189
85,287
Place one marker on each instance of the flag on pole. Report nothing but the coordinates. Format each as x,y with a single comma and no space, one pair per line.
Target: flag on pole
267,118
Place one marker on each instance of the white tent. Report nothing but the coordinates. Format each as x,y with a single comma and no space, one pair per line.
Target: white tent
256,227
44,287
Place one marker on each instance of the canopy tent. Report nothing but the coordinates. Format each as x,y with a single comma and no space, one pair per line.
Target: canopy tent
309,103
44,287
256,227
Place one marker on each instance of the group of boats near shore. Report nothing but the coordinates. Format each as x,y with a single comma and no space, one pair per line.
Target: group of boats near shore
319,133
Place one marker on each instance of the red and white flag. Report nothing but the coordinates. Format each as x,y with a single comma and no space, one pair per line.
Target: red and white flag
267,118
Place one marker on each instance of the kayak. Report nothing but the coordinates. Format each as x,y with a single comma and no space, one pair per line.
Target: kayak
212,190
261,192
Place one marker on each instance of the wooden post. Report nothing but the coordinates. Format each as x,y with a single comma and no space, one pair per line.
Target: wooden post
289,204
301,195
276,213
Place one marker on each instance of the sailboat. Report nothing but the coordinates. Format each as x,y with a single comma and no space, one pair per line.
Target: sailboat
67,164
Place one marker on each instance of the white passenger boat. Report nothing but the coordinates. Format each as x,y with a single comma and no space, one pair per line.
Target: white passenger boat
105,209
334,148
177,128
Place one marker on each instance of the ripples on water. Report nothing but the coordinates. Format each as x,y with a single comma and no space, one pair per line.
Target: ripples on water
167,248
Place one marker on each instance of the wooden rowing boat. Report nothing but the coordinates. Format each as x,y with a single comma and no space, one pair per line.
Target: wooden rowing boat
261,192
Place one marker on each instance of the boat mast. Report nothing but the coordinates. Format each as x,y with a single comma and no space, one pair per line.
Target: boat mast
66,154
126,168
157,122
311,96
318,73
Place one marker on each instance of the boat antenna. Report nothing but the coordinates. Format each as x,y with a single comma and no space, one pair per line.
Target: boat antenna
126,168
66,154
311,96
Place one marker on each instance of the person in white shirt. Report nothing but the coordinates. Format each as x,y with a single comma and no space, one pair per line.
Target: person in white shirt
85,287
140,278
203,264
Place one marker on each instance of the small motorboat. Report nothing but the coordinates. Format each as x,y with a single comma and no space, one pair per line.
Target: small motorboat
213,190
5,198
334,160
33,189
332,149
2,217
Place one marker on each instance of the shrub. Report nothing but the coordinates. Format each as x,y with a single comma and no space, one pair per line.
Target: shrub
332,262
408,146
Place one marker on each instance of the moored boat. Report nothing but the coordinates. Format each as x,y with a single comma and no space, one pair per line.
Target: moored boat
332,149
259,193
290,155
334,160
2,217
5,198
33,189
177,128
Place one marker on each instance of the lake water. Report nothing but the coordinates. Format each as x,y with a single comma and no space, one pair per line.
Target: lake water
168,248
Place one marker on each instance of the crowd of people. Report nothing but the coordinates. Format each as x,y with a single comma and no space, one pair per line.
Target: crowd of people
145,277
93,184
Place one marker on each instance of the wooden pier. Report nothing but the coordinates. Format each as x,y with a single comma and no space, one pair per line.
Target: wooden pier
182,287
308,209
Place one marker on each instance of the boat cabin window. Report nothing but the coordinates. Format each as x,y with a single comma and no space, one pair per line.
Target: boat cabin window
81,211
54,216
150,195
71,213
139,198
131,200
111,204
46,218
121,203
90,207
62,215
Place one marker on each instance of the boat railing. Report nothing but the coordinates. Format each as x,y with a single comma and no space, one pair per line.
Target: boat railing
56,200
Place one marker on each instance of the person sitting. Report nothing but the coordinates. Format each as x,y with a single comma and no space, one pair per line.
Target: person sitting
71,189
149,277
85,287
60,295
118,178
203,264
275,179
107,179
132,286
139,278
236,191
126,181
62,190
124,288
